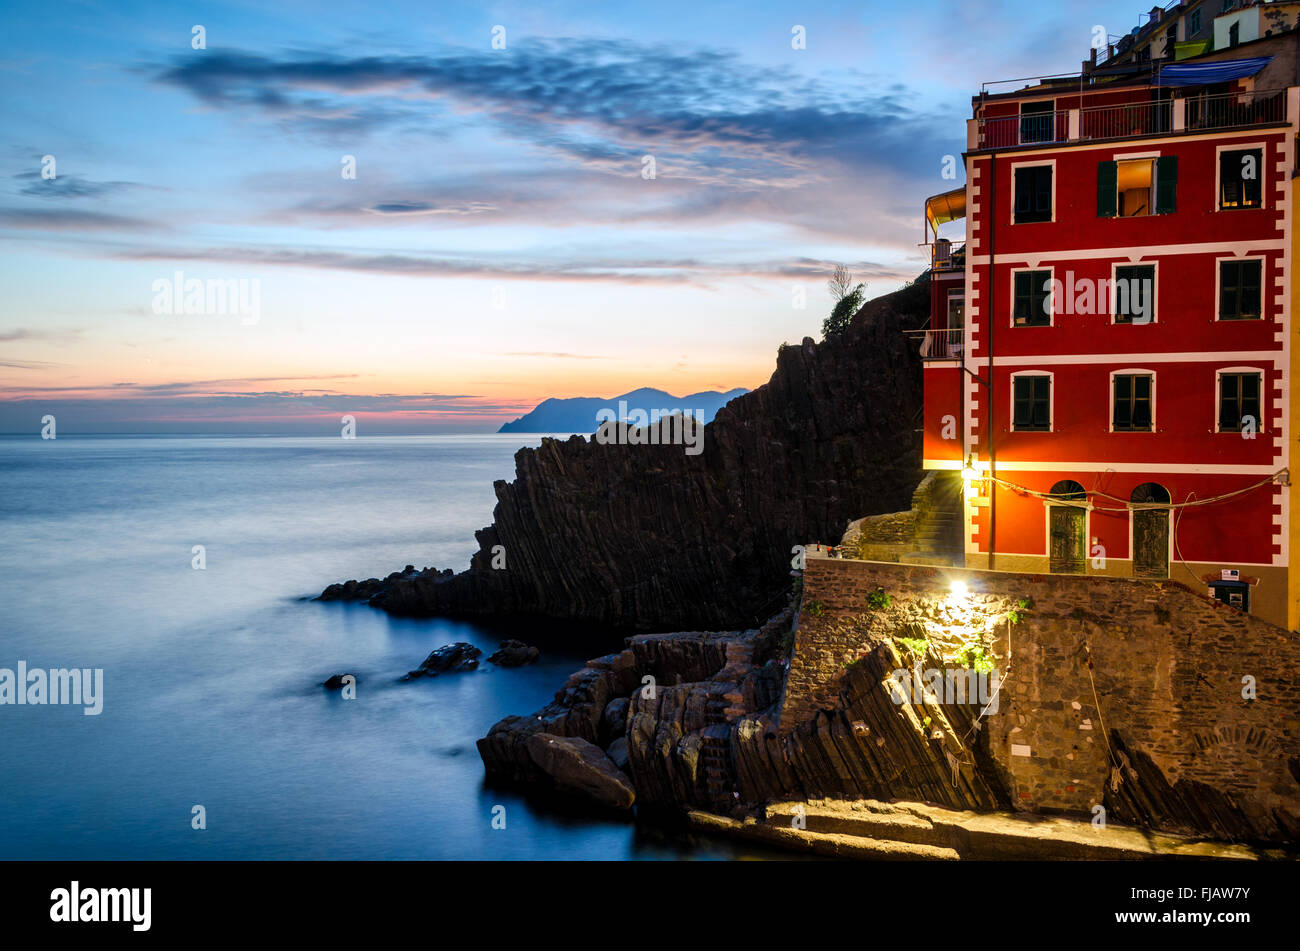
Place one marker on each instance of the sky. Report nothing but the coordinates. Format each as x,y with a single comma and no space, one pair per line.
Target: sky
433,216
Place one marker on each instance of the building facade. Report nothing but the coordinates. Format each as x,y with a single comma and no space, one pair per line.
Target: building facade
1109,356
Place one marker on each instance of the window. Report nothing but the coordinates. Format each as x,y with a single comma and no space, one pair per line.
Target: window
1033,297
1132,412
1234,35
1033,194
1239,283
1032,404
1238,399
1225,6
1193,23
1134,294
1239,178
1171,37
1037,122
1134,187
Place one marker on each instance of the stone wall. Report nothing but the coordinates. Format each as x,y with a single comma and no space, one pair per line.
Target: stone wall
1117,692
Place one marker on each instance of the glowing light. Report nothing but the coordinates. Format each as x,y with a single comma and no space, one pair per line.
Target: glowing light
960,591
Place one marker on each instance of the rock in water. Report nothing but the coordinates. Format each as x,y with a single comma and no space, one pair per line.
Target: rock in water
617,753
337,682
448,659
579,767
514,653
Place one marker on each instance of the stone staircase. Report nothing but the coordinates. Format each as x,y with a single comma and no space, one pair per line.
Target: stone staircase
725,704
940,521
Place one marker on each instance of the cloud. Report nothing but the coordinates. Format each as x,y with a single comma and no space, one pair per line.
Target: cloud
724,134
589,269
555,356
67,219
68,186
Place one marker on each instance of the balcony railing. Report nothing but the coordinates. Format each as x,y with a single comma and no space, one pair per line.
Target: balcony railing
1128,120
1234,110
1134,119
946,256
1032,129
940,344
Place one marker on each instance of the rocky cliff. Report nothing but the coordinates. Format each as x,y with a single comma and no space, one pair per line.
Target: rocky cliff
691,720
650,537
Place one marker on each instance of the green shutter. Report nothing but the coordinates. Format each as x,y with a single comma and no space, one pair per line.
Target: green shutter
1107,182
1166,184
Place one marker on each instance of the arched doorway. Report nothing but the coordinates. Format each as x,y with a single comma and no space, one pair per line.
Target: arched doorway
1150,531
1067,529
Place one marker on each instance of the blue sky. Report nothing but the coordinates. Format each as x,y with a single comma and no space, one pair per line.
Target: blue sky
500,241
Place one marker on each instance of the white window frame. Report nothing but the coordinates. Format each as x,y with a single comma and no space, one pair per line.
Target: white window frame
1051,403
1218,174
1155,290
1110,418
1051,296
1263,397
1218,286
1011,217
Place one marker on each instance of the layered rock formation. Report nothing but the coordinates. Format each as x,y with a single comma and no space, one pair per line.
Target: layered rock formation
649,537
696,714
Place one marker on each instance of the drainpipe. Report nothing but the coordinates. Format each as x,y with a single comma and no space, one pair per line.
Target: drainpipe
991,418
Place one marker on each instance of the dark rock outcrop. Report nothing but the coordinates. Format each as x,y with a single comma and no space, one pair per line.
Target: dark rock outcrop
581,768
512,653
371,587
448,659
646,536
338,681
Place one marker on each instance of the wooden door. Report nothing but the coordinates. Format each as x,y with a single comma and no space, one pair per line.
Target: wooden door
1068,551
1151,543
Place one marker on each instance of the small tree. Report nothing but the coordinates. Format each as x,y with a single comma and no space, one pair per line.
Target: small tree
847,297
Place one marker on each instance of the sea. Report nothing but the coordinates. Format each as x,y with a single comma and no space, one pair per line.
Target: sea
184,568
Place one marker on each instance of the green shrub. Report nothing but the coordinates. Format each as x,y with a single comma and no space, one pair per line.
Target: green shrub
879,599
917,647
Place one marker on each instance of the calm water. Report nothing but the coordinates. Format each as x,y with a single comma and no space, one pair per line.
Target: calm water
212,677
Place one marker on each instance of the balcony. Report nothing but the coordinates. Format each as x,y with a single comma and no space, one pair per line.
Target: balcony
940,344
1131,120
946,256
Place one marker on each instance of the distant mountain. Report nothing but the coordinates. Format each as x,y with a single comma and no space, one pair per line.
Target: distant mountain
578,415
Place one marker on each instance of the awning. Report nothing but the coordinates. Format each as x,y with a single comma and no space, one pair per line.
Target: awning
1202,74
941,209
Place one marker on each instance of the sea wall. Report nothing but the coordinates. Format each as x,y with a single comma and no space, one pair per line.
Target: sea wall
1168,708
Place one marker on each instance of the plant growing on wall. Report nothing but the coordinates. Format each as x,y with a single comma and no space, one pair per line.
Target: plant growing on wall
974,655
878,599
915,647
816,609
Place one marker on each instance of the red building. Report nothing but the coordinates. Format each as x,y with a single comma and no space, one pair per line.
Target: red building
1108,359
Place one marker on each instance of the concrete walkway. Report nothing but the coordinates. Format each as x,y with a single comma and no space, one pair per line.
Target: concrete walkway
868,829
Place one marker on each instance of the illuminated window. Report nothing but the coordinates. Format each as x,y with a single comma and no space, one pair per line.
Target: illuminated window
1240,174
